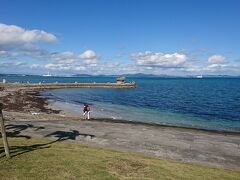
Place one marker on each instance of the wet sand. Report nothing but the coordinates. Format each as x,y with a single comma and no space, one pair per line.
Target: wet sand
29,115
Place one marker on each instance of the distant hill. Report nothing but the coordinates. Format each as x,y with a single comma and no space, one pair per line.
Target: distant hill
17,75
125,75
82,75
146,75
137,75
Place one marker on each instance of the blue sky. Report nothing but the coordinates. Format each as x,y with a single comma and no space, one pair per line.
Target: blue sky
175,37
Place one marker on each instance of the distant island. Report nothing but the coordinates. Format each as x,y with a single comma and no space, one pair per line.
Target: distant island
136,75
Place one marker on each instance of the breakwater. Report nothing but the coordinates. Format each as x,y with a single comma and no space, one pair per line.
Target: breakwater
36,86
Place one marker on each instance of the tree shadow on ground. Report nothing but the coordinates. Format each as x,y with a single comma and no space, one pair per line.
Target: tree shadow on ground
18,150
15,131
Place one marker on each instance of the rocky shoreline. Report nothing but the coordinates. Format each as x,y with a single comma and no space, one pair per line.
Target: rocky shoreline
26,101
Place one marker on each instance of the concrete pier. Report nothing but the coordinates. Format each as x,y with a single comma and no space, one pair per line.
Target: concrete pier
36,86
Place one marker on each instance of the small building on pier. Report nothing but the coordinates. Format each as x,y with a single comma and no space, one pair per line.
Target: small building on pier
121,80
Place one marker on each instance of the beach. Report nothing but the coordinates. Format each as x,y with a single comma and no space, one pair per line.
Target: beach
120,90
30,111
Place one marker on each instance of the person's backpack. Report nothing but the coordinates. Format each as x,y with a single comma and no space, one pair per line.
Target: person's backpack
85,108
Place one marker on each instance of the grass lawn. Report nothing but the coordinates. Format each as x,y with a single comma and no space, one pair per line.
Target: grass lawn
41,159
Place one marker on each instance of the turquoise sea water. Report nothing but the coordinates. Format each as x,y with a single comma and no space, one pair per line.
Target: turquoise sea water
207,103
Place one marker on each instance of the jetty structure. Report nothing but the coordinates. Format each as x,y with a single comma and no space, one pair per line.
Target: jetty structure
120,83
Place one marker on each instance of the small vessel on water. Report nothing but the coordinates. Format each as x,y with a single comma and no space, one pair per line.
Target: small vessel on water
47,75
199,76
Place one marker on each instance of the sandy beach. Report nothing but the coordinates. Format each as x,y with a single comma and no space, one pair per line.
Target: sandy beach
29,115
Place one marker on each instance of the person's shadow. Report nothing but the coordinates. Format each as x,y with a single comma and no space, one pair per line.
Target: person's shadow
70,135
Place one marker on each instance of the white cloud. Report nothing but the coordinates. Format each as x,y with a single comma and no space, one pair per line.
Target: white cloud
3,53
12,36
13,67
216,64
18,43
35,66
217,59
179,63
91,62
162,60
66,57
66,67
89,57
88,54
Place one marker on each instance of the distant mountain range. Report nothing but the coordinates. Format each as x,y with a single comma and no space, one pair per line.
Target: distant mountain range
137,75
125,75
150,75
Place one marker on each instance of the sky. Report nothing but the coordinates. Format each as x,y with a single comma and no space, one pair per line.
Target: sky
171,37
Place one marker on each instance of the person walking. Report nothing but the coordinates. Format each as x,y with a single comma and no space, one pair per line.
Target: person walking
86,111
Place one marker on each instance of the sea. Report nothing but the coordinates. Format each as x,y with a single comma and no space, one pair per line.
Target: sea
201,103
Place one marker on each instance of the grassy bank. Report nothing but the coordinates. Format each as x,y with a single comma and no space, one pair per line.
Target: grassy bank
40,159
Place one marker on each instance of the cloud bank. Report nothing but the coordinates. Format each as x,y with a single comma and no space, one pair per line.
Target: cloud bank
159,59
18,44
21,52
217,59
12,36
180,63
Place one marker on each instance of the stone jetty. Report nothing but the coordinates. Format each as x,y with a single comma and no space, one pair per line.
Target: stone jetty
39,86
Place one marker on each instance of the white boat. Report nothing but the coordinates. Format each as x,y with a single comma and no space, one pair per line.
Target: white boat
48,74
199,76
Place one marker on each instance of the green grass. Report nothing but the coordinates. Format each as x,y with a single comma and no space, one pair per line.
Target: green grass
39,159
